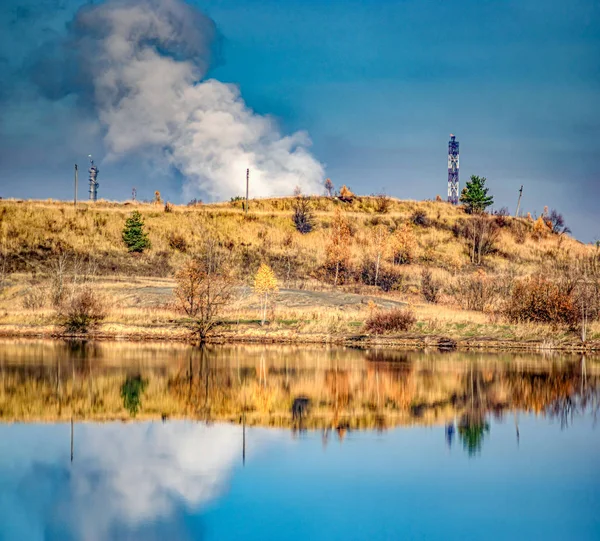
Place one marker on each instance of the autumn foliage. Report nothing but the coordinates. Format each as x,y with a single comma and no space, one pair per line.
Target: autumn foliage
540,300
404,244
265,284
345,194
338,247
202,294
395,320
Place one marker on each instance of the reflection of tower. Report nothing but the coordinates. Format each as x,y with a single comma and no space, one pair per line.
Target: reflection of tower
453,170
93,170
449,434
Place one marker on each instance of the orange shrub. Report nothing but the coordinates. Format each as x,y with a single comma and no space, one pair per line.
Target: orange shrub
397,319
540,300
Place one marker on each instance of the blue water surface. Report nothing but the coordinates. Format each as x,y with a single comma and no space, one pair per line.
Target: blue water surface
187,480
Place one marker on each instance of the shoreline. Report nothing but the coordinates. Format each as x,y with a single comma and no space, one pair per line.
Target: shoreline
407,341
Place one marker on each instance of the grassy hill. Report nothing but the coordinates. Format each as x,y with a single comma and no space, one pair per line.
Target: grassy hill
432,238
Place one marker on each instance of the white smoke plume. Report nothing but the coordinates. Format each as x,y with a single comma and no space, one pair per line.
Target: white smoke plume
146,61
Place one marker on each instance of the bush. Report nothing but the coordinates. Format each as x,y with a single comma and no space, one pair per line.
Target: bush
388,278
475,292
502,217
346,194
382,203
556,222
540,300
35,298
481,233
430,287
177,242
403,245
134,236
395,320
419,217
519,231
83,311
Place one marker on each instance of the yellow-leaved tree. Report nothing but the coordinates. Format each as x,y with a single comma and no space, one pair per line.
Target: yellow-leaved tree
404,245
338,247
265,284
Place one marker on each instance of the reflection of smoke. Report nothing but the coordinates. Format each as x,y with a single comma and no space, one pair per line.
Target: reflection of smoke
144,60
127,476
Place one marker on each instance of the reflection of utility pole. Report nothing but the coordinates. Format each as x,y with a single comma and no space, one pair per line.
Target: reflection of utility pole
244,437
516,417
519,201
71,438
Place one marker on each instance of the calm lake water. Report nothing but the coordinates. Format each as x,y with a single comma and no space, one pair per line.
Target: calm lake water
129,441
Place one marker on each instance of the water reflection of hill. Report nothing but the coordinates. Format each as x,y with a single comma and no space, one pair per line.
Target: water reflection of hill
347,388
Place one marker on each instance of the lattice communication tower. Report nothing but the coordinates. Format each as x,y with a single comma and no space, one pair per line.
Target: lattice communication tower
93,171
453,170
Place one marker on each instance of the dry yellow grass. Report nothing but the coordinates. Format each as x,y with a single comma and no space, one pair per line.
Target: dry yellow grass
32,233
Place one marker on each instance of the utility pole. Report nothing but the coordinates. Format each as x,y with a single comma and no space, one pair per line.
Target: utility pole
247,187
75,199
133,194
519,202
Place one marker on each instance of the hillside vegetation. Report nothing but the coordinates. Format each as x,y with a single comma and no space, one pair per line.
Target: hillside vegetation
429,254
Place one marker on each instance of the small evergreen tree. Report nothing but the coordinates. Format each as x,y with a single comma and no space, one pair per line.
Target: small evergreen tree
475,195
134,236
303,217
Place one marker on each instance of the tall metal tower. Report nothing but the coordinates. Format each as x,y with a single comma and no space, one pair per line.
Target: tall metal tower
93,170
453,170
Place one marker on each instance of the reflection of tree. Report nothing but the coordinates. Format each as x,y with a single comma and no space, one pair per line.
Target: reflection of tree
471,431
347,388
477,399
131,393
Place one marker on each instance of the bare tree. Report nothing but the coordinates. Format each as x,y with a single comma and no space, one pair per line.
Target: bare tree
202,293
58,277
4,269
556,222
481,234
380,239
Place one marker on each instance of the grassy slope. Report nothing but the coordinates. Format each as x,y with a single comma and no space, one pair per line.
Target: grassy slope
33,232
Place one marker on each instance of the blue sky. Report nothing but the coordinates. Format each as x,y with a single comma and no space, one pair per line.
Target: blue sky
377,85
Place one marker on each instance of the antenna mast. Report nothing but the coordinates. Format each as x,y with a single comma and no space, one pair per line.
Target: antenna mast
93,171
453,170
